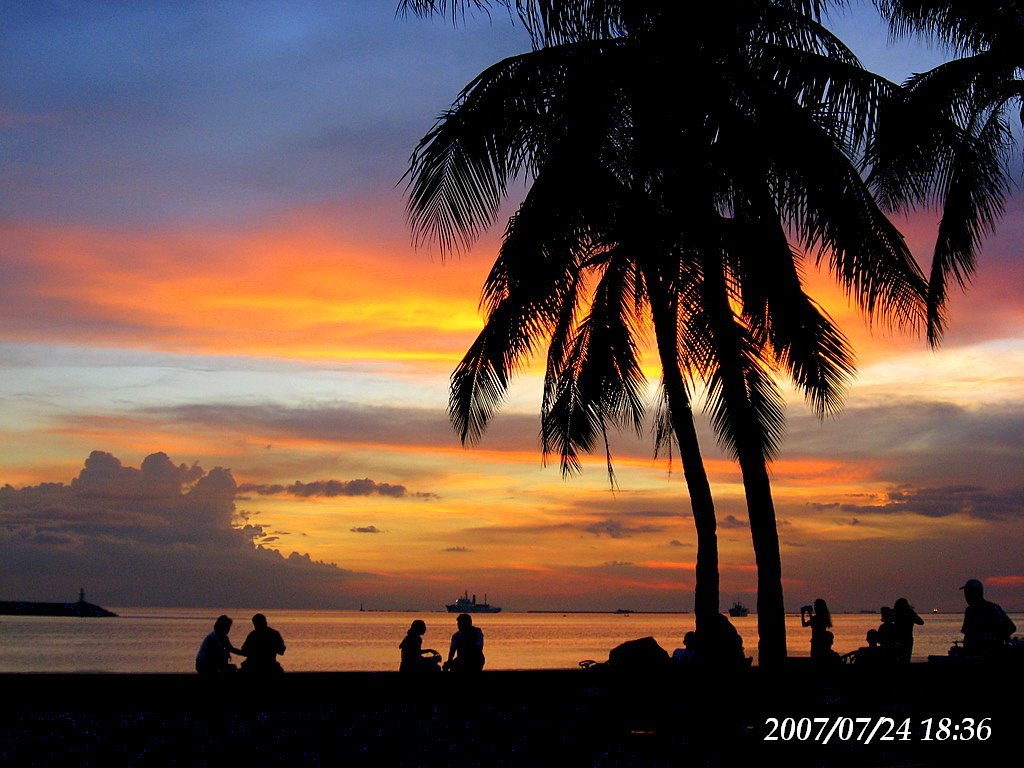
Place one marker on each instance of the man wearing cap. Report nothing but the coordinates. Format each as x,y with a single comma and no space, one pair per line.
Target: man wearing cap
986,626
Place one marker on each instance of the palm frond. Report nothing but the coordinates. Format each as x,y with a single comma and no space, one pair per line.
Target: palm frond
965,25
783,319
823,199
531,293
479,382
600,382
499,127
974,195
841,93
664,429
745,404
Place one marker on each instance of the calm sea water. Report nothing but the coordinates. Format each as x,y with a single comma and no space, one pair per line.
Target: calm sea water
166,640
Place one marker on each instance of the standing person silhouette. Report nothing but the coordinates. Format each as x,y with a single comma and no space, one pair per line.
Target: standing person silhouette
986,627
818,618
904,617
887,632
466,653
262,647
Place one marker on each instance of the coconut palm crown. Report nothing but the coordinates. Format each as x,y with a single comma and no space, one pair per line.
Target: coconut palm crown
684,204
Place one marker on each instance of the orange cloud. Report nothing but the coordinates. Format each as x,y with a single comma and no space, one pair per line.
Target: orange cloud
295,288
340,284
669,565
1006,581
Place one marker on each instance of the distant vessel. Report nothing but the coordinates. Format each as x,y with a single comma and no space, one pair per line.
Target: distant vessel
81,608
466,605
738,610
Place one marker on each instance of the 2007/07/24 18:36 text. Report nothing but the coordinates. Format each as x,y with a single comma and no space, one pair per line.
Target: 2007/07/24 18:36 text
871,729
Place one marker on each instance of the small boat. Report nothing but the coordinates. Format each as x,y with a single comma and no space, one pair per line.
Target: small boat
466,605
738,610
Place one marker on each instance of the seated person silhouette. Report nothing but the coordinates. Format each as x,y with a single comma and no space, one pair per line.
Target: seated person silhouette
214,656
724,646
466,653
416,658
262,647
718,645
826,653
871,653
688,653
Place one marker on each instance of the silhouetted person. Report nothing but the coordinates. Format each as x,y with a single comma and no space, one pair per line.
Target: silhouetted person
870,653
827,654
724,646
688,653
904,617
887,639
215,651
466,653
262,647
986,627
819,619
414,657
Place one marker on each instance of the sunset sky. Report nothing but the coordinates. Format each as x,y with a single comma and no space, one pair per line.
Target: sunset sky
213,321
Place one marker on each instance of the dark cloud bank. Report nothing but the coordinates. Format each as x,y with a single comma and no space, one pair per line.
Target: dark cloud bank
923,443
943,501
162,534
333,488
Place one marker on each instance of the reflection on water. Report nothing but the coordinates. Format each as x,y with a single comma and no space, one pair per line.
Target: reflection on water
166,639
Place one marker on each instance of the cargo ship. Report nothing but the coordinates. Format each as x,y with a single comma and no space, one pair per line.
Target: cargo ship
465,604
738,610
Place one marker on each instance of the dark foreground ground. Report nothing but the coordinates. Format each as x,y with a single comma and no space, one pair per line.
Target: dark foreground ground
560,718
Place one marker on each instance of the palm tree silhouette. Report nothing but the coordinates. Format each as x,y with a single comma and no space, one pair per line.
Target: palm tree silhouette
683,209
565,249
946,138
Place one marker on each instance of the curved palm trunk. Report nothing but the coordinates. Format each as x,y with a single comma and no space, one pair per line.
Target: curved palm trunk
650,125
706,588
771,612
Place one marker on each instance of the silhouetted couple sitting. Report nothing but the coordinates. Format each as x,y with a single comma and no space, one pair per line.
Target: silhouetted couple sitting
466,653
260,649
720,645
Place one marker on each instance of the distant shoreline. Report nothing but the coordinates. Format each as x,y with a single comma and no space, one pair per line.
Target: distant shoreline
68,609
81,609
619,612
